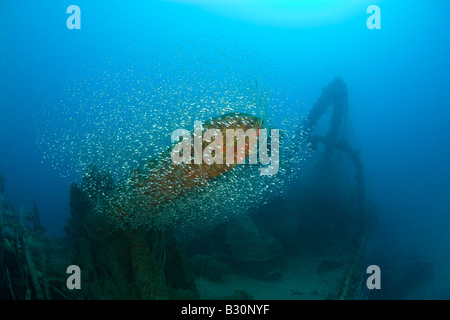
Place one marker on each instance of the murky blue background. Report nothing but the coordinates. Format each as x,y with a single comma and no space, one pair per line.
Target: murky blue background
397,77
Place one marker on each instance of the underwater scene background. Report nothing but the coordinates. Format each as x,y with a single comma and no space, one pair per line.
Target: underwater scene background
86,120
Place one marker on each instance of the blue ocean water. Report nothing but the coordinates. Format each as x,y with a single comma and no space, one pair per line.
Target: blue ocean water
397,78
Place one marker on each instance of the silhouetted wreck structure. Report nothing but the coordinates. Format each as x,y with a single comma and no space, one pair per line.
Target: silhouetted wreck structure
335,95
